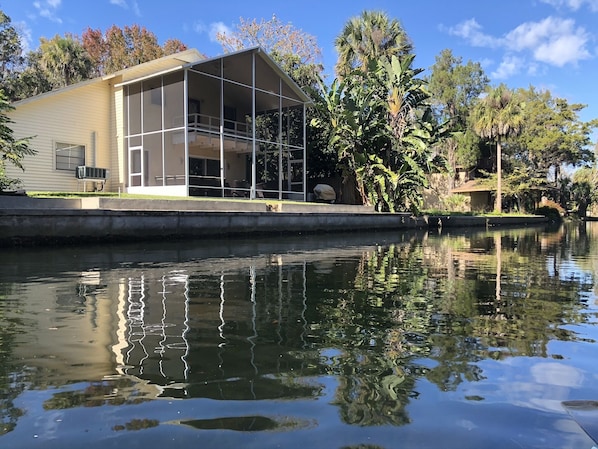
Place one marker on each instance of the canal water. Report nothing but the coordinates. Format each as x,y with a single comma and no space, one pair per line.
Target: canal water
468,339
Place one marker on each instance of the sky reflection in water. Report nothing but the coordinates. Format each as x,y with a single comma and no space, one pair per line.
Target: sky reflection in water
381,341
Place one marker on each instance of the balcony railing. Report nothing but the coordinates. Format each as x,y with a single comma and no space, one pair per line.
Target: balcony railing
211,124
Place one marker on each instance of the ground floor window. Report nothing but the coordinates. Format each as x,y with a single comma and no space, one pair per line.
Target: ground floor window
69,156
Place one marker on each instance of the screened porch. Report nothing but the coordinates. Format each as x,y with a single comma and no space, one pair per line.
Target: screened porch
232,126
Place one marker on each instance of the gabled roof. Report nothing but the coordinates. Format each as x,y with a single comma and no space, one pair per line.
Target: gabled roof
274,65
260,52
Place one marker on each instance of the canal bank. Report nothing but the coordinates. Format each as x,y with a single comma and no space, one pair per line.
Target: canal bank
25,221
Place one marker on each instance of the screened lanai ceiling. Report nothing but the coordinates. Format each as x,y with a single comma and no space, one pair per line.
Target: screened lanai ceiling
237,68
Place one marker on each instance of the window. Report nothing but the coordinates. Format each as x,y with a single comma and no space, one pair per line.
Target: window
69,156
204,167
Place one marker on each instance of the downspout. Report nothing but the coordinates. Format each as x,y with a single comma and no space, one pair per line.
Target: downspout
142,156
186,121
280,146
304,154
222,126
253,131
163,134
127,138
93,149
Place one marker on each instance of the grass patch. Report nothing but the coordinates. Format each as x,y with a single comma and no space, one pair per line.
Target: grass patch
444,213
70,194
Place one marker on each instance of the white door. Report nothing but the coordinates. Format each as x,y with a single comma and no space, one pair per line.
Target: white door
136,164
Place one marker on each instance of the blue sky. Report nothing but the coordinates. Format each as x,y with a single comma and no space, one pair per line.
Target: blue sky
550,44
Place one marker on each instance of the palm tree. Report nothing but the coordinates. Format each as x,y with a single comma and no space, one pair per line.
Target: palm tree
496,117
369,37
65,60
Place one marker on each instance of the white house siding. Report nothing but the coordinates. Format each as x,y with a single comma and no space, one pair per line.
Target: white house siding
73,115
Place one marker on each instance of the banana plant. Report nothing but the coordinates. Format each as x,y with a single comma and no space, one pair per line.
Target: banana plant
383,132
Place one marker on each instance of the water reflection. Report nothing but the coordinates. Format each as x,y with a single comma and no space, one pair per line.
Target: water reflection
378,327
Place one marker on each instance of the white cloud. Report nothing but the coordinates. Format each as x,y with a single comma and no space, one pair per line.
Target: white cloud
199,27
535,69
217,27
573,4
47,9
123,4
552,41
471,31
136,8
212,29
510,65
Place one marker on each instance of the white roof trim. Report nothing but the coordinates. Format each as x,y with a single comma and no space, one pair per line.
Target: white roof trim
135,80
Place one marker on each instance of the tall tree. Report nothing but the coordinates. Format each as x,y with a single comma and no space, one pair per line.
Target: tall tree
32,80
97,49
129,47
12,149
553,134
497,117
368,37
454,88
584,190
65,60
11,54
119,48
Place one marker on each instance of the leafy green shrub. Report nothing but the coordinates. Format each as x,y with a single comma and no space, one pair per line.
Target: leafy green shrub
549,211
456,203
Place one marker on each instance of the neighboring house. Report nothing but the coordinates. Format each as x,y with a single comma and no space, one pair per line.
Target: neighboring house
181,125
481,196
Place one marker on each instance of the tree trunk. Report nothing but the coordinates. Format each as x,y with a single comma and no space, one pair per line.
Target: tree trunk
350,190
582,209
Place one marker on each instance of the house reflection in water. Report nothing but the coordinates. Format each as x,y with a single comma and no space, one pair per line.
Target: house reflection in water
230,335
152,326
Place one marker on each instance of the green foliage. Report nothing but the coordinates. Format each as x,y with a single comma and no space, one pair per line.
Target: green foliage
12,149
10,53
550,211
553,135
454,89
32,80
456,203
370,36
64,60
118,48
468,148
383,131
582,190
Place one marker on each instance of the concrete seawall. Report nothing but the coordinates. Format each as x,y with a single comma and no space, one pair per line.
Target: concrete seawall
26,221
